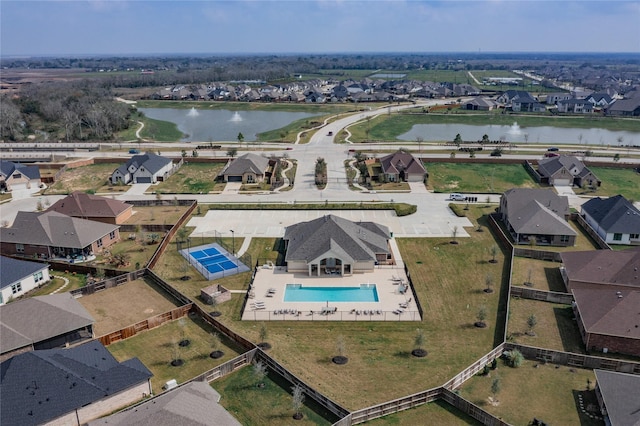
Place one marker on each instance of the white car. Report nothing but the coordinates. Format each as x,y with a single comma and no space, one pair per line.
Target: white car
457,197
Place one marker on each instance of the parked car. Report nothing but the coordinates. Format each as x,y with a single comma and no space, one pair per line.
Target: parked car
551,154
134,151
330,134
553,149
457,197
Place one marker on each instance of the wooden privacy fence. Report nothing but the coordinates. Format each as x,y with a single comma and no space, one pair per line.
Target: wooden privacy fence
169,235
108,283
575,360
395,406
324,401
474,368
592,233
471,409
226,368
542,295
143,325
537,254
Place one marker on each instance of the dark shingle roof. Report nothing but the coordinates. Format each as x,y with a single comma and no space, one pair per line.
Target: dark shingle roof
535,218
7,168
54,229
549,166
39,318
614,214
604,266
357,241
14,270
399,161
40,386
609,312
620,395
149,161
247,163
195,403
80,204
517,199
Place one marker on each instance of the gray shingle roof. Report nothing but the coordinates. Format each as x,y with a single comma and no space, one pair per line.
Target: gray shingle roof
360,241
7,168
14,270
399,161
614,214
517,199
535,218
54,229
604,266
39,318
247,163
81,204
195,403
40,386
149,161
620,394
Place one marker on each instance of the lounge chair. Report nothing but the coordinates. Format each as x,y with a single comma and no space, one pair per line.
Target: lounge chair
379,312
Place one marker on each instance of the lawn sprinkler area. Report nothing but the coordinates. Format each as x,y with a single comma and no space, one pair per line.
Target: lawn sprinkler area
213,262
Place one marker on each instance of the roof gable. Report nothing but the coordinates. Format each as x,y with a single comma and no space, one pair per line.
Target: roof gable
150,161
14,270
614,214
604,266
247,163
80,204
401,161
609,312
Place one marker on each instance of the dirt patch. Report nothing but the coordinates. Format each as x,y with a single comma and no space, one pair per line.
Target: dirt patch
125,305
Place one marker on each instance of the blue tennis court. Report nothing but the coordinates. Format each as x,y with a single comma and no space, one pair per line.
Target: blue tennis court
213,262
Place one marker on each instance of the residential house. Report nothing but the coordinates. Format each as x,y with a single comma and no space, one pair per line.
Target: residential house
624,107
480,104
16,176
537,216
144,168
43,322
248,168
617,395
19,277
331,245
575,106
566,170
508,96
520,101
69,386
401,166
50,235
596,269
93,207
600,99
608,320
195,403
554,98
615,219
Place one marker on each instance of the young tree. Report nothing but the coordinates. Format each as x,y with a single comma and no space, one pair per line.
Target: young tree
297,401
454,234
495,389
232,152
494,252
418,342
263,337
259,373
531,323
616,157
240,137
481,316
488,280
215,346
485,138
341,350
183,153
458,139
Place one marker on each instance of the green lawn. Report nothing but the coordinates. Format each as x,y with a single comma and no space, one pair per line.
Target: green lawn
270,405
616,181
160,131
156,349
546,392
543,275
192,178
555,329
445,278
474,177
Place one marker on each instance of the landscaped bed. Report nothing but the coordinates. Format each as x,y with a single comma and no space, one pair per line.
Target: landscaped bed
127,304
533,390
158,347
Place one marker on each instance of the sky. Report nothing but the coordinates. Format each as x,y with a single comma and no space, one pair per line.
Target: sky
148,27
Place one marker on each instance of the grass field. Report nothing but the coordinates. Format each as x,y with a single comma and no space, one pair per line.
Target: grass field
556,328
450,300
160,131
124,305
270,405
616,181
192,178
85,178
156,349
156,215
543,275
75,281
490,178
546,392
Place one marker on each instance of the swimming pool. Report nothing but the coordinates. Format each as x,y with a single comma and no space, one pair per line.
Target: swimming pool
300,293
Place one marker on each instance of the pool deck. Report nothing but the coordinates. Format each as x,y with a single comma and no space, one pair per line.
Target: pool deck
263,305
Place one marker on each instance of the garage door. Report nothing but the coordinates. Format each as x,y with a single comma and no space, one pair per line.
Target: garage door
562,182
234,179
142,179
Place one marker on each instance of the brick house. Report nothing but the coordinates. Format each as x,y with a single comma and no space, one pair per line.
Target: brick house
594,269
49,235
93,207
566,170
